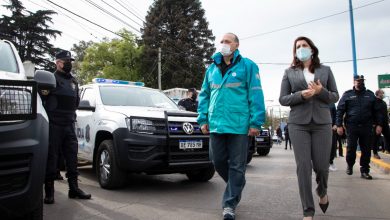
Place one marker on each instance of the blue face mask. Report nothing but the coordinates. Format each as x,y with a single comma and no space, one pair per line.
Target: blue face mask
303,53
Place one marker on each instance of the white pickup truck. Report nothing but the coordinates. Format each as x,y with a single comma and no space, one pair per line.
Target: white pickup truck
24,130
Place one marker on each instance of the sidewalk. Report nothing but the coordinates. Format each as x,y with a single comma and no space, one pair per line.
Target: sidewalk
383,163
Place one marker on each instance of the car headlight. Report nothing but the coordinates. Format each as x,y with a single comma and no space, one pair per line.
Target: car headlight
17,100
146,126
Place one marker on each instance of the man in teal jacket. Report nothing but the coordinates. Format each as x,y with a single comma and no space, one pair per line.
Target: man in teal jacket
231,107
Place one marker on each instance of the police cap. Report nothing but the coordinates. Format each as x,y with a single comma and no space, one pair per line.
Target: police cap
358,77
64,55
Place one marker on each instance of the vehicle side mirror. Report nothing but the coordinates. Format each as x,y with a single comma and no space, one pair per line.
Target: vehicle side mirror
45,80
85,105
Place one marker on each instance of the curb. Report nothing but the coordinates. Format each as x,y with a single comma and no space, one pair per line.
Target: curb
377,162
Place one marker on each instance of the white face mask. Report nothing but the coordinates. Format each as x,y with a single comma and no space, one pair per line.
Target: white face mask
225,50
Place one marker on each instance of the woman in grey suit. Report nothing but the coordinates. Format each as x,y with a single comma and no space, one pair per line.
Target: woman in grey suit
308,87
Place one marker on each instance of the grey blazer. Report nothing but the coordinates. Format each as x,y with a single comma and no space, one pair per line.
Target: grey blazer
314,109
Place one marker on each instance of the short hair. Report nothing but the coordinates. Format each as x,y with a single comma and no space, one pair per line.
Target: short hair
378,91
235,37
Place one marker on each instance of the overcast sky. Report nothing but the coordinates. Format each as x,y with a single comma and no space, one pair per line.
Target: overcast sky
248,18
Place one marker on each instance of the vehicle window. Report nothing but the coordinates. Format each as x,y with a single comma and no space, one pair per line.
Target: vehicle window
89,95
133,96
8,60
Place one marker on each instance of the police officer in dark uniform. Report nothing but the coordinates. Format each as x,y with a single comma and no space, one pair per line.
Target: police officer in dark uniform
60,104
190,103
361,113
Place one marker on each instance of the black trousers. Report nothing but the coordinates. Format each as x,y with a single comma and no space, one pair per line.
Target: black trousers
287,137
62,138
386,135
340,142
363,134
334,147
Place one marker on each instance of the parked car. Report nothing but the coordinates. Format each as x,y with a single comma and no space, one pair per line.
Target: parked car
124,127
261,144
24,130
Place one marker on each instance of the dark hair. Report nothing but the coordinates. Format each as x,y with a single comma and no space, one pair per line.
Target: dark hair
378,91
315,61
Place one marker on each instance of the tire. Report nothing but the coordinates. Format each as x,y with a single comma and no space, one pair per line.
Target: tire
202,175
263,151
107,170
249,158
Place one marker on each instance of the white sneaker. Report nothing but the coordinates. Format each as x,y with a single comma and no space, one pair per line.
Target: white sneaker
228,213
332,167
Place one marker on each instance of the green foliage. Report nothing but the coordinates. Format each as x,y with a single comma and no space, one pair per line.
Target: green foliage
78,54
180,29
30,33
115,59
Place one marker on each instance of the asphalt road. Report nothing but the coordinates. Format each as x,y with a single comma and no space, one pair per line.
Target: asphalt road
271,192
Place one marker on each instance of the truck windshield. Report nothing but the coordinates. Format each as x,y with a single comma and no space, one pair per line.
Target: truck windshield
135,96
7,58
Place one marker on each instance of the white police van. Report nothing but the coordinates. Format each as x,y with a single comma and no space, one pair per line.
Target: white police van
24,136
124,127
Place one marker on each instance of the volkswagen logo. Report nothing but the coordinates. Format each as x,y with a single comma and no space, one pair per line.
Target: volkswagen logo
188,128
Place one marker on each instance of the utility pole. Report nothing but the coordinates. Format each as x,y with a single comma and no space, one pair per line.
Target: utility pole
159,68
353,38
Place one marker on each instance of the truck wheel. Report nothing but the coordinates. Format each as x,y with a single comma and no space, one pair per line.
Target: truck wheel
249,158
263,151
107,170
202,175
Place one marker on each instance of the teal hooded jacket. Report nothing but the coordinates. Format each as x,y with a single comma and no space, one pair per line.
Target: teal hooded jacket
232,103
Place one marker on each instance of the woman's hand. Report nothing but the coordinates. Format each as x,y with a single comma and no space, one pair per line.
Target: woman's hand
307,93
317,86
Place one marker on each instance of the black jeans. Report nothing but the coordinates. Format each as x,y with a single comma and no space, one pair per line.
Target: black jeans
334,147
340,142
62,138
287,139
363,134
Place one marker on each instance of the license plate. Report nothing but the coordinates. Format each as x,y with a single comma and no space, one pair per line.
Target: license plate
190,144
259,139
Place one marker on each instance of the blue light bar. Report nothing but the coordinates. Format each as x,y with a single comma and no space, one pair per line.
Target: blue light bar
114,81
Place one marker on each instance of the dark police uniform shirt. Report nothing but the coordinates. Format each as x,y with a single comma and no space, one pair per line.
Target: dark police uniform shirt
189,104
62,102
360,108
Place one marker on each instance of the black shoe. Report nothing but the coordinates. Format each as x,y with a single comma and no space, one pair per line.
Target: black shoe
59,177
349,170
324,207
341,156
366,176
78,194
75,191
49,192
228,214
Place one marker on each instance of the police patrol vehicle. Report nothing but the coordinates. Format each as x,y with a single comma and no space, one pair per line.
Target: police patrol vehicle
124,127
24,135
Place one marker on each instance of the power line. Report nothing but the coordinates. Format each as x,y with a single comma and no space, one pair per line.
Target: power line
110,14
84,18
129,5
64,15
309,21
129,11
337,61
121,13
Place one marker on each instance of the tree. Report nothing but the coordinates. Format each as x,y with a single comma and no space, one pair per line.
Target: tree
79,51
115,59
30,33
180,29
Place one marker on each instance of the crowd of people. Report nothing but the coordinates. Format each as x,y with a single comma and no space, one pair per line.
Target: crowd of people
231,107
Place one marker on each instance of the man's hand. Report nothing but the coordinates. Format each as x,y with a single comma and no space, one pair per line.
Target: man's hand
307,93
316,86
205,129
340,130
334,128
253,132
378,130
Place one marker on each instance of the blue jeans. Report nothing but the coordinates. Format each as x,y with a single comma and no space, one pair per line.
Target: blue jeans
229,154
